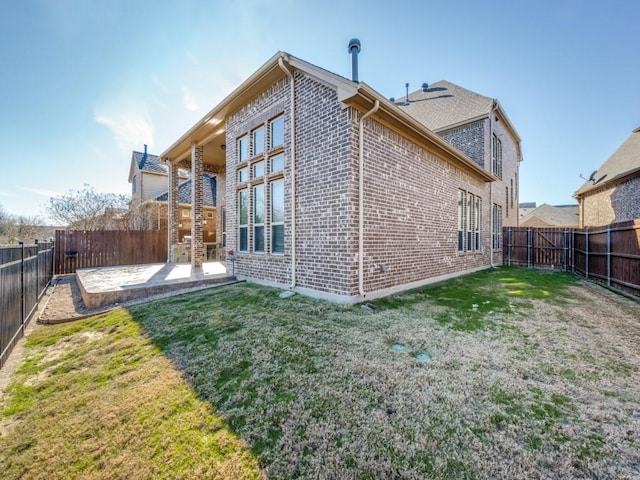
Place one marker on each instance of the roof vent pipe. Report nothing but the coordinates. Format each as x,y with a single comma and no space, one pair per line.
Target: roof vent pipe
354,49
425,87
144,157
406,85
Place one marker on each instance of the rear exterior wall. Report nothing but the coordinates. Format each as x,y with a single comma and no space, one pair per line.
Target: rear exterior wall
410,212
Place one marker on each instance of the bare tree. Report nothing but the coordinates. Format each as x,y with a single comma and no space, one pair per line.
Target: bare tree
17,228
87,209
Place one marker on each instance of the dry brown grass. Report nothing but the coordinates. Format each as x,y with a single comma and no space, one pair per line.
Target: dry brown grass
533,376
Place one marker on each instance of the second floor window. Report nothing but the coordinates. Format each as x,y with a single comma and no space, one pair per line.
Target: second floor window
496,156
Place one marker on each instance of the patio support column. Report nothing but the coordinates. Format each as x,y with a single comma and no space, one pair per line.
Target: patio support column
172,210
197,155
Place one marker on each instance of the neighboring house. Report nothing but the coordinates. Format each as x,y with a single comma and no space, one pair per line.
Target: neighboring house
332,190
525,207
612,193
552,216
479,127
209,227
148,176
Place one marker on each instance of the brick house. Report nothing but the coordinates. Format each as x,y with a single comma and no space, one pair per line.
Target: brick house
612,194
149,178
332,190
551,216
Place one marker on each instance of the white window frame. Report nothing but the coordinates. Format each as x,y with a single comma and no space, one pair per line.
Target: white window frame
274,223
257,225
243,226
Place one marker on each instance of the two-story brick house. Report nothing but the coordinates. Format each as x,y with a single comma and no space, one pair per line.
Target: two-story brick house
335,191
612,194
479,127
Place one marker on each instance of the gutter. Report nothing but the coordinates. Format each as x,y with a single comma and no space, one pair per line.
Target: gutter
292,125
376,105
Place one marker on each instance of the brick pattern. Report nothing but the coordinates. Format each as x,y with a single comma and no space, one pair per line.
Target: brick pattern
174,213
410,212
197,154
410,197
616,203
469,139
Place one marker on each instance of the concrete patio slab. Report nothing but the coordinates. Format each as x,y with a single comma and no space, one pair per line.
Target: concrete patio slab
108,285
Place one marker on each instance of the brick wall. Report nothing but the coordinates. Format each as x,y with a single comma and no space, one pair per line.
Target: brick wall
469,139
411,213
616,203
410,199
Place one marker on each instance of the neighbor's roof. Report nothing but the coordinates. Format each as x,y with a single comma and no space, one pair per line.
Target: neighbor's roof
184,191
444,104
556,215
625,161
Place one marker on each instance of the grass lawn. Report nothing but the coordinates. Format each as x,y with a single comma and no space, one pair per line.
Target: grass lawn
531,375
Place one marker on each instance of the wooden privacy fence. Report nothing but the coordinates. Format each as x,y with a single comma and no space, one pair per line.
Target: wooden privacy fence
25,272
610,253
105,248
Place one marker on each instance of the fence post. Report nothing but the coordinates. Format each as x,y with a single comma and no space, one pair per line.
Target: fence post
509,246
586,254
609,255
573,250
564,251
21,286
528,247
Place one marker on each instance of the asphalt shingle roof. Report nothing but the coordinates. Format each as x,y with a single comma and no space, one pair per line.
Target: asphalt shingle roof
625,160
152,163
184,191
560,215
444,104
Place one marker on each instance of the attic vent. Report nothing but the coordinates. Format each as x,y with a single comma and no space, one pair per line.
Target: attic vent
425,87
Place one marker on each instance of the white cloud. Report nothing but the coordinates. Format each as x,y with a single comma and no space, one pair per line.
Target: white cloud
42,191
130,129
189,100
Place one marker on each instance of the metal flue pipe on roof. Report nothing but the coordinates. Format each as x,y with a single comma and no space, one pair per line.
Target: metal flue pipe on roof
354,49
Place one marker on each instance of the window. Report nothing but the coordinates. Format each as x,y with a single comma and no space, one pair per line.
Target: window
469,208
496,156
209,214
258,218
512,193
243,148
277,216
257,138
186,213
276,164
478,219
224,227
506,201
497,227
257,169
243,221
243,175
277,132
462,204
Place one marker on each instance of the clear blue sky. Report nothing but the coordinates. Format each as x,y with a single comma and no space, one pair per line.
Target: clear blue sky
85,82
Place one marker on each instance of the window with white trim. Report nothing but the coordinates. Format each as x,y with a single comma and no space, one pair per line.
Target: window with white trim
258,219
496,235
257,169
478,219
469,218
257,139
243,220
243,148
276,130
462,221
243,175
277,216
496,156
276,164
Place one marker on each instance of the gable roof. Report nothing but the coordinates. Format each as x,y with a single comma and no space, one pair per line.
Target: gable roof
153,164
357,95
624,161
445,104
555,215
209,190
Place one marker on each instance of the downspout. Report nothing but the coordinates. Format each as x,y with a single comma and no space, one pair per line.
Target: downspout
376,105
292,125
491,184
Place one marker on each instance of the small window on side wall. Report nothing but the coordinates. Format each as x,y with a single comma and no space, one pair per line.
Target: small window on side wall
243,148
277,132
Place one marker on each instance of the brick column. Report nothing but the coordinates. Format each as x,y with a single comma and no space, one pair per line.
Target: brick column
196,205
172,209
